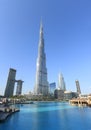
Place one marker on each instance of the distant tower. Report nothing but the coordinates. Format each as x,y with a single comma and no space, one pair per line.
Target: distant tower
19,87
78,87
52,88
41,84
10,83
61,82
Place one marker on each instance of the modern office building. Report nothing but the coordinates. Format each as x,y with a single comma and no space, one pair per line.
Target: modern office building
52,87
10,83
78,87
59,94
61,82
19,87
41,84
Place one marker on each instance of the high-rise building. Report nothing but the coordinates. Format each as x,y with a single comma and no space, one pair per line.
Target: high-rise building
41,84
10,83
19,87
61,82
52,88
78,87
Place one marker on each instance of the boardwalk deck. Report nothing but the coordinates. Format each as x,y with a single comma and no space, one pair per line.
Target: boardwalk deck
4,115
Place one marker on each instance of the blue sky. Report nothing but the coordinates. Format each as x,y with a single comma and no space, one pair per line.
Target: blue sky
67,34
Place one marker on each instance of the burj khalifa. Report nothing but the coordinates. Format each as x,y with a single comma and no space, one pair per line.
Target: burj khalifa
41,84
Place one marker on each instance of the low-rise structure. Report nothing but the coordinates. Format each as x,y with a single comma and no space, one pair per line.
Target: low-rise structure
69,95
59,94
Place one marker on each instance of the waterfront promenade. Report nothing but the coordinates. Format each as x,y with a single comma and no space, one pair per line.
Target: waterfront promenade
6,111
85,101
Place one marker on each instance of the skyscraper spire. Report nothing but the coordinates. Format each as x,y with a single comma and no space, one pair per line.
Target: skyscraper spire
41,26
41,39
41,84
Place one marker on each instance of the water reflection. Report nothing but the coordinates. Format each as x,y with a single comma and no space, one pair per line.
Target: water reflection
49,116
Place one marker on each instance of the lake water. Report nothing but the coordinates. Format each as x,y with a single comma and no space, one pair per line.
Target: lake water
49,116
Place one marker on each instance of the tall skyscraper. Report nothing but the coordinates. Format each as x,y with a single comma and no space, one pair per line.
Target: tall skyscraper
41,84
61,82
10,83
52,88
19,87
78,87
